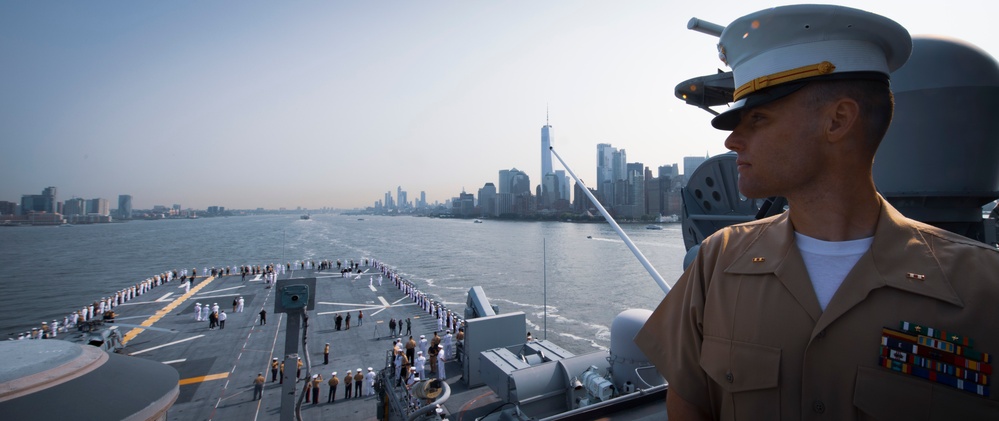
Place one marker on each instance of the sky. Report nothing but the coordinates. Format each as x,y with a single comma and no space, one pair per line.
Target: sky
333,103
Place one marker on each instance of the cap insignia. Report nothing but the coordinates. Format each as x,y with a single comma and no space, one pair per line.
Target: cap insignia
786,76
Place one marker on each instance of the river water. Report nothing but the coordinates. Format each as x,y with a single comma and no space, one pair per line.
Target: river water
47,272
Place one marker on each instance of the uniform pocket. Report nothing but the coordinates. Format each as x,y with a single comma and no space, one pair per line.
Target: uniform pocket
747,374
884,395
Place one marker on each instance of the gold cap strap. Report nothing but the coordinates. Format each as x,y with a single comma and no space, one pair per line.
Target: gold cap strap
786,76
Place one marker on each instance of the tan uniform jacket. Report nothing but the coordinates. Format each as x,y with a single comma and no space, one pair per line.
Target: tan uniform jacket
334,381
742,335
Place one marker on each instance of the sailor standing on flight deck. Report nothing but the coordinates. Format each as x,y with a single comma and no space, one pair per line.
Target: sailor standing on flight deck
326,354
258,386
369,382
440,363
274,370
421,364
333,383
348,384
197,312
239,306
358,382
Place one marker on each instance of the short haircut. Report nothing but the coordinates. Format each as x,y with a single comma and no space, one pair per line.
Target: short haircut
877,104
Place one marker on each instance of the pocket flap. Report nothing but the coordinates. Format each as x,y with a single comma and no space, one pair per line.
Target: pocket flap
740,366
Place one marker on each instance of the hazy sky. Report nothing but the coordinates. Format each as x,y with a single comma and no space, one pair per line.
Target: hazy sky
332,103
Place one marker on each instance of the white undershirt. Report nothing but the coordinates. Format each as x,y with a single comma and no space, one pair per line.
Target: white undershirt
828,262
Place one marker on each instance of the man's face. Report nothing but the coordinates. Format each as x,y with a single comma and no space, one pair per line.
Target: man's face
778,146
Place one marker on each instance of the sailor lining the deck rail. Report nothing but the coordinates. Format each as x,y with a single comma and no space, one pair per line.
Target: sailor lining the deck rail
798,315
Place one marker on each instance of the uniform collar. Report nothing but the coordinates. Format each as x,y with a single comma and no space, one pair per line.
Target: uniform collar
900,257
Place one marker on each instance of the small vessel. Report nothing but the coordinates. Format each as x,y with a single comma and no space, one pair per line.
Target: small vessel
306,216
477,221
653,227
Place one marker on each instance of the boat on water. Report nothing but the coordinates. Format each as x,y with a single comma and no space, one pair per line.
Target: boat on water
477,221
653,227
305,217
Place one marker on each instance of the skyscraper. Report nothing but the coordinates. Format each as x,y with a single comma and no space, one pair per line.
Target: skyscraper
546,153
125,206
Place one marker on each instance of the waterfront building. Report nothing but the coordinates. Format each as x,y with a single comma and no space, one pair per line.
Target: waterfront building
514,193
98,206
7,208
563,184
690,163
45,202
487,200
74,206
401,196
389,204
125,206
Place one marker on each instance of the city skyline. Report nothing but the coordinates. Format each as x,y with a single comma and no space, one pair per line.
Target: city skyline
249,105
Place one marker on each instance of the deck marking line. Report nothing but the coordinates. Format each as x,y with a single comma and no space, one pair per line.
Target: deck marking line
372,287
164,297
384,303
199,379
165,310
226,289
400,300
175,361
166,344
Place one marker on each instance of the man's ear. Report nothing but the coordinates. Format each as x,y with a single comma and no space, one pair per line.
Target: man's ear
843,116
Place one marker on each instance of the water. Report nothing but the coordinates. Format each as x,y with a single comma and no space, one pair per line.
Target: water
47,272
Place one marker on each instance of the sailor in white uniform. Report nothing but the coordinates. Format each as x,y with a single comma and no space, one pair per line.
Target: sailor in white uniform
205,310
239,306
197,312
423,344
215,307
448,344
440,363
369,382
421,364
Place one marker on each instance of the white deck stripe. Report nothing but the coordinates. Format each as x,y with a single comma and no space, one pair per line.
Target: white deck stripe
175,361
166,344
164,298
382,299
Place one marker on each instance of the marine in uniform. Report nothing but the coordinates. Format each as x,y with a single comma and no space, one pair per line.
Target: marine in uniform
326,354
316,381
348,381
839,308
274,370
358,382
333,382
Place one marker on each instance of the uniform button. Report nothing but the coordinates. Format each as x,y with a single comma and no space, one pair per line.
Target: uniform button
818,407
821,334
729,377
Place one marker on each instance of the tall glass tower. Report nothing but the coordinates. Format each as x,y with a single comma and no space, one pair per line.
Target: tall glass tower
546,153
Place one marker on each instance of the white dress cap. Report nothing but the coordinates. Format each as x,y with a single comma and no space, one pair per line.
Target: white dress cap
798,43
